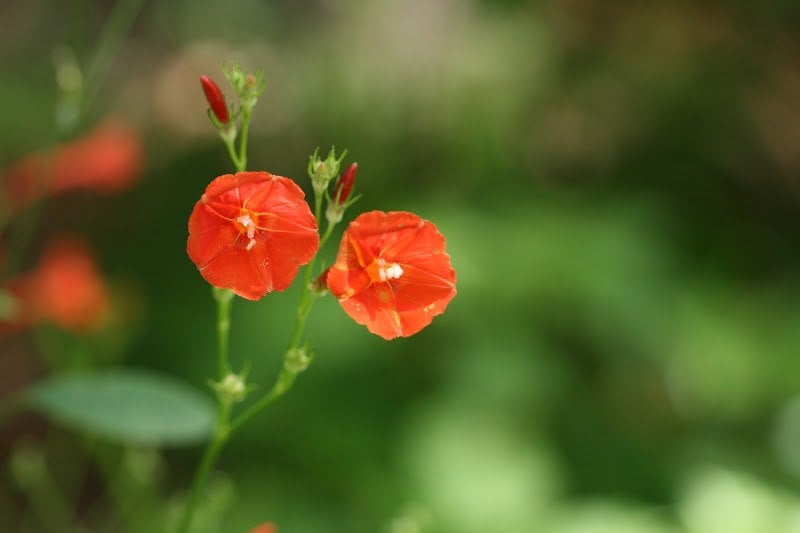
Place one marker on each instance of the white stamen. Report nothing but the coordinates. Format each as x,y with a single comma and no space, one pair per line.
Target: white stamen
393,271
246,221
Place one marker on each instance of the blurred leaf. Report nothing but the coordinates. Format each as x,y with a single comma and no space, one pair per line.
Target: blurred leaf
477,471
601,516
8,306
127,406
717,500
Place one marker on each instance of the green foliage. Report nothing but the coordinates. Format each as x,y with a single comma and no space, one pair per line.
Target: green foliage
126,406
617,183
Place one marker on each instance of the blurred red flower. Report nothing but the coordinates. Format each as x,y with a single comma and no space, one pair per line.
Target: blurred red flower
392,273
108,159
65,289
250,233
266,527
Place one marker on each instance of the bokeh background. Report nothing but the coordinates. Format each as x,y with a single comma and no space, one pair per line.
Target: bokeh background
618,185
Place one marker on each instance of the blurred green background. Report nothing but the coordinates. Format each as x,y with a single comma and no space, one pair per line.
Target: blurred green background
618,185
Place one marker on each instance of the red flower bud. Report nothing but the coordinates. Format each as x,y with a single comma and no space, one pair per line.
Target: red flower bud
215,99
345,185
320,286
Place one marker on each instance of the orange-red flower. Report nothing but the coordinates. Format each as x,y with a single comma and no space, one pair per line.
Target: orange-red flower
392,273
108,159
66,289
250,233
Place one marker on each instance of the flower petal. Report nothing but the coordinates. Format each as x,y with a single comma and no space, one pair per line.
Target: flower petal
402,305
282,233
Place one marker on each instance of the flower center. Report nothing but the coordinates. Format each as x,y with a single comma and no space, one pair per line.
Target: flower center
381,271
245,224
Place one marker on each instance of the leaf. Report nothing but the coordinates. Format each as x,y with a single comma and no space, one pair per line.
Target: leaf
8,306
126,405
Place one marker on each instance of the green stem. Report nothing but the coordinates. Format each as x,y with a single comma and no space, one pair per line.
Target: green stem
241,164
224,298
221,434
282,385
77,26
287,377
29,468
326,235
108,43
225,427
229,144
111,36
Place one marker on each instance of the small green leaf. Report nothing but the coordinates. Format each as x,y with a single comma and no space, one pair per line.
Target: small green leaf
126,405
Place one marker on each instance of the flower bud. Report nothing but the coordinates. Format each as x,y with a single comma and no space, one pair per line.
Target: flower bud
320,285
297,360
323,171
215,99
341,194
231,389
248,85
345,184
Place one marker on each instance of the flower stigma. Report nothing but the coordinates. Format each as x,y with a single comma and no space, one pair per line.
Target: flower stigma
246,224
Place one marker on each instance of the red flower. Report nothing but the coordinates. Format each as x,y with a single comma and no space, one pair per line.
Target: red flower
66,289
215,99
251,232
108,159
392,273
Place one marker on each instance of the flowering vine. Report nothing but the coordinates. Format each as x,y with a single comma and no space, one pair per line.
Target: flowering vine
250,233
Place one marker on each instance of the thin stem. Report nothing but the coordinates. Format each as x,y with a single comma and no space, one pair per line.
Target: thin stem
318,208
229,144
29,467
108,43
210,455
282,385
77,26
286,377
326,235
111,36
223,298
241,164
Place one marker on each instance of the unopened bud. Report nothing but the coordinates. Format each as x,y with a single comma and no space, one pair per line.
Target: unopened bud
345,184
320,285
297,360
215,99
248,85
323,171
344,187
231,389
